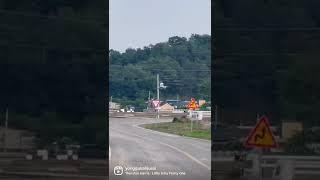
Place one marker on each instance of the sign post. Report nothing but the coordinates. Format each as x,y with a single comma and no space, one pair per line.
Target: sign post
158,96
192,105
261,137
260,164
191,120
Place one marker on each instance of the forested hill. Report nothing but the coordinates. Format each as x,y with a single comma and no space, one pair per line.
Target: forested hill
183,64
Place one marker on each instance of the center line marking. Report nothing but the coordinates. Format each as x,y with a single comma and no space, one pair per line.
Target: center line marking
172,147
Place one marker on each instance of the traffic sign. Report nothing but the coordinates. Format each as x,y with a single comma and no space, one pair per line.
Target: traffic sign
261,135
156,103
192,105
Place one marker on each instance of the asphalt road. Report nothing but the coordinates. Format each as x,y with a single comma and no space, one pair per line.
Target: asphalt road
167,156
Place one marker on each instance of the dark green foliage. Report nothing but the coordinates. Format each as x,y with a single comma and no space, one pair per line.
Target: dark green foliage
204,107
180,119
299,143
175,119
183,65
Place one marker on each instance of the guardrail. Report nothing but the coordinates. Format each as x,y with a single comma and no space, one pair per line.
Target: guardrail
206,113
199,115
196,115
284,167
224,156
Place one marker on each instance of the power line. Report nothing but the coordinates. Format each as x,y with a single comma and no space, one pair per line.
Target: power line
153,70
178,79
158,70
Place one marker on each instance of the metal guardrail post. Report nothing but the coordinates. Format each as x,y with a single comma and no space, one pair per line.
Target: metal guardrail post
255,165
286,169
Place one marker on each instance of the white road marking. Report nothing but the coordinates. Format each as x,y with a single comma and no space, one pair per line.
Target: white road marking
170,135
172,147
188,155
156,132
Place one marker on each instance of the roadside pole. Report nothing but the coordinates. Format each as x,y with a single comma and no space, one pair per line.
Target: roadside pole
191,119
216,117
148,101
260,151
158,96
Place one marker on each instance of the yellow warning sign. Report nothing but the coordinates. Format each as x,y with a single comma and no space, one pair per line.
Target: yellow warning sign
192,104
261,135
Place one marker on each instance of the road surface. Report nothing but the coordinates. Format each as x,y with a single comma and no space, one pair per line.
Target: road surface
155,155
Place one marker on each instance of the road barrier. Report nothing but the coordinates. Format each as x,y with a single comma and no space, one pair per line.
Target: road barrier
195,115
180,111
218,156
284,167
199,115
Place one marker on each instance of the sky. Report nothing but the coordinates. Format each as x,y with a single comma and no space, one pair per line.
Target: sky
139,23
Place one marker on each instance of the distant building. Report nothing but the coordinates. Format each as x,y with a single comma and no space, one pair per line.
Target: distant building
166,107
177,104
114,106
201,102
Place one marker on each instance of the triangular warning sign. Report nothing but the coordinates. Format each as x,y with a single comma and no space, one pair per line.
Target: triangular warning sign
155,103
261,135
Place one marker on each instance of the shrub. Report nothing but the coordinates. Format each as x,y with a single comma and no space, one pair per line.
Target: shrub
180,120
175,119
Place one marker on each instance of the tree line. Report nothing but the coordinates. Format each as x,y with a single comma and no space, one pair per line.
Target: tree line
183,65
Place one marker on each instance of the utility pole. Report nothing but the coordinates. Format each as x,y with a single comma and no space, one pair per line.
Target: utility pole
148,101
191,122
110,103
5,131
158,95
216,116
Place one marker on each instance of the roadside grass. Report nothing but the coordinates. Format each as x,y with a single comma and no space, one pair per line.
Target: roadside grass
182,129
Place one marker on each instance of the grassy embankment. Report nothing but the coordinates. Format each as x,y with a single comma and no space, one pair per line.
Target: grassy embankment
182,128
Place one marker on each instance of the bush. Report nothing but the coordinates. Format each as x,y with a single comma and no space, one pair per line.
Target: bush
298,144
180,120
175,120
